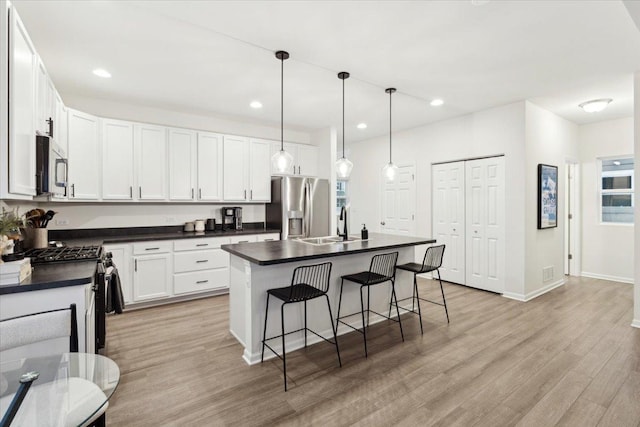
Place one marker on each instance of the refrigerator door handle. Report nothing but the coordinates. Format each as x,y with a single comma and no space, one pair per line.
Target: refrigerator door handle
306,213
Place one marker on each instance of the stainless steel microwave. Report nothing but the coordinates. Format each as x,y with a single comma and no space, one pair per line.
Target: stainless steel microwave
51,167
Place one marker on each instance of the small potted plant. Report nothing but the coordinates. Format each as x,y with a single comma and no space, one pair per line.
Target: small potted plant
10,224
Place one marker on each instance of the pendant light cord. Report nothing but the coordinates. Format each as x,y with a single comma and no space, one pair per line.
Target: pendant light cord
282,104
343,118
390,142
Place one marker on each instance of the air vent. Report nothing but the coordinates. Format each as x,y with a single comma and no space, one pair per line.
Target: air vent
547,274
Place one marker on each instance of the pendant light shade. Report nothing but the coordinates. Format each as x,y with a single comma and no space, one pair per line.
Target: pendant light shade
343,165
282,160
390,170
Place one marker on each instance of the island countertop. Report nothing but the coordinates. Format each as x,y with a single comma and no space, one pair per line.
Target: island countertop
284,251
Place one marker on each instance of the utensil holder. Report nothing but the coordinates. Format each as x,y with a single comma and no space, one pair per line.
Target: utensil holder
36,238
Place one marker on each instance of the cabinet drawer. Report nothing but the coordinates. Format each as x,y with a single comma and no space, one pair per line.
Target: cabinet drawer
243,239
267,237
199,243
200,281
146,248
200,260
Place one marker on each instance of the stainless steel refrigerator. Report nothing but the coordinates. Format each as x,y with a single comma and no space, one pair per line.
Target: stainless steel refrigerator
299,207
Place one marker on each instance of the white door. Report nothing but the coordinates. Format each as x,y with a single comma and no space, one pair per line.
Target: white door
398,203
236,164
151,275
209,166
22,147
84,156
449,218
117,160
307,160
259,171
571,240
485,226
182,155
151,151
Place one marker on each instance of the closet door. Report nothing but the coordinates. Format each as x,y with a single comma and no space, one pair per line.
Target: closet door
485,226
449,218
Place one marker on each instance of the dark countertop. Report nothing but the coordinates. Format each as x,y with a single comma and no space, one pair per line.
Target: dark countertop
283,251
49,276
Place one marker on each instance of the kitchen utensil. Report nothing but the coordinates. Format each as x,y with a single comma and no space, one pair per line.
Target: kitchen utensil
48,216
189,226
199,225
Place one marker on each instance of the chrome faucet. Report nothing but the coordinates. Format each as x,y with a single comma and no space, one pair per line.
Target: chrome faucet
343,217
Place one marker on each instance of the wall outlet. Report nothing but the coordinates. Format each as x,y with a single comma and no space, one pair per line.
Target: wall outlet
62,221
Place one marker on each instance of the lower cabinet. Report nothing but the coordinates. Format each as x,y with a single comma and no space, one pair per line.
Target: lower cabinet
158,270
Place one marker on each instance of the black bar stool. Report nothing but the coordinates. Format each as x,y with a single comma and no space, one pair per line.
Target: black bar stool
308,282
432,262
382,269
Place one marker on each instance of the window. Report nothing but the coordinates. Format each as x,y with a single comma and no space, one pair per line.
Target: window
342,198
616,190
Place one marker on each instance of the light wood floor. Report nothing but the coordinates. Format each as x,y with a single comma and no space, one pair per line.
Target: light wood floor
566,358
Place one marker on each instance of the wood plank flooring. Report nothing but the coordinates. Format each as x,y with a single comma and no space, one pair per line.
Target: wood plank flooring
567,358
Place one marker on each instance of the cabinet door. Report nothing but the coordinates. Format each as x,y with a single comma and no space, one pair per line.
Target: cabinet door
60,126
210,166
22,75
182,154
84,156
122,261
307,160
117,160
236,162
151,277
41,96
259,171
151,151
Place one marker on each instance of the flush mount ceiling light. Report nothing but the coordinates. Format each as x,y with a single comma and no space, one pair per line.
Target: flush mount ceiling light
102,73
390,170
596,105
343,165
282,160
362,126
256,104
436,102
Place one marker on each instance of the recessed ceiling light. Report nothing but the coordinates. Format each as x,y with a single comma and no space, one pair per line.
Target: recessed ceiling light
255,104
437,102
362,126
102,73
595,105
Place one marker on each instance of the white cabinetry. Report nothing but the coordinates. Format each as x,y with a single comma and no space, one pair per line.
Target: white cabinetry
117,160
200,265
121,255
210,166
305,159
182,166
84,156
151,270
45,98
246,170
21,78
60,127
151,161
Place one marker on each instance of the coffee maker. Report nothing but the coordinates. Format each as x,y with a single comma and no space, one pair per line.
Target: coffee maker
232,218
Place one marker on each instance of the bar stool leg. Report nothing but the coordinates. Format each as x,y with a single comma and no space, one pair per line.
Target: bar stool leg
305,323
364,328
264,334
417,299
443,299
393,294
284,353
368,306
335,336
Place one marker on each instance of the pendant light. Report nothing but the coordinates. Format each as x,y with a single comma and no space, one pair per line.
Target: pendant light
282,160
390,170
343,165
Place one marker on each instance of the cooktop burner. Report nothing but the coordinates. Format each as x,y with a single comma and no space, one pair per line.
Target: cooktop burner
64,254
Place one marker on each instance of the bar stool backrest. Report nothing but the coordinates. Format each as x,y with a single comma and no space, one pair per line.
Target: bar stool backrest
317,276
384,265
433,258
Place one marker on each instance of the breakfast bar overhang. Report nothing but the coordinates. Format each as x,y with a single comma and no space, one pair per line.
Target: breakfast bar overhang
257,267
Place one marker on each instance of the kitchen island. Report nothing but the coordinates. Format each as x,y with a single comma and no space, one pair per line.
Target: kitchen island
257,267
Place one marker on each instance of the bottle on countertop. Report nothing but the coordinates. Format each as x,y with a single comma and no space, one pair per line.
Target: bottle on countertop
364,233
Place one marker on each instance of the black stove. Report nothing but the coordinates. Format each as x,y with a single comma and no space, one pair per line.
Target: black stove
64,254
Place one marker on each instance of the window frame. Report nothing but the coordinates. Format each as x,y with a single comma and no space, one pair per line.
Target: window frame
603,192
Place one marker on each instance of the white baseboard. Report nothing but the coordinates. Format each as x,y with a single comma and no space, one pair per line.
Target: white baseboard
534,294
636,323
607,277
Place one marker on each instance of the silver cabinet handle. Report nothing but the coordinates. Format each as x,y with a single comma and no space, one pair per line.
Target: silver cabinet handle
136,265
383,223
73,190
192,193
245,194
454,229
202,281
151,249
131,192
243,241
140,192
299,173
475,231
251,195
202,244
202,260
200,193
268,240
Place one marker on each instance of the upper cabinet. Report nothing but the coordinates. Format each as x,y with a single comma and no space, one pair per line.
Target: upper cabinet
182,166
117,160
210,166
84,156
246,169
305,159
151,161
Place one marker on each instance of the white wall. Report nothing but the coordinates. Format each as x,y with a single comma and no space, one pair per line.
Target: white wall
495,131
636,316
550,140
607,249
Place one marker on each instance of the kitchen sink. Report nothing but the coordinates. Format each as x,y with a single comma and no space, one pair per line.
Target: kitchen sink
328,240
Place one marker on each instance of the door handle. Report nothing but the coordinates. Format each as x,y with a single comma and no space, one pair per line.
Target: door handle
135,268
192,193
131,192
383,223
245,194
73,190
200,193
140,192
251,195
202,260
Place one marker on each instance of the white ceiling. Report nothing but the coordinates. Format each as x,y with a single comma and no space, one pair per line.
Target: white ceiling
214,57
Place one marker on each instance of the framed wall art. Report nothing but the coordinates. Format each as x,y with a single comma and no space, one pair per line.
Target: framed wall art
547,196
